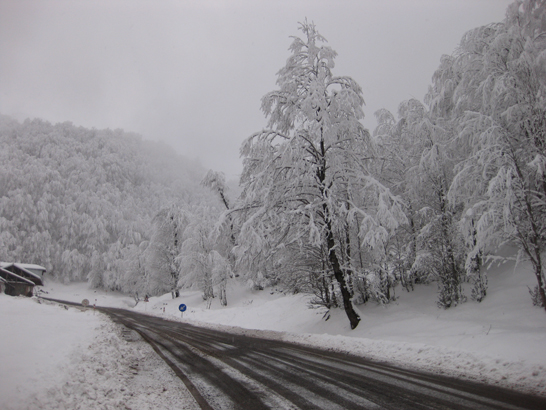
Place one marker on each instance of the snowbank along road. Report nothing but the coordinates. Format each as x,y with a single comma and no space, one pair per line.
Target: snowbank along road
227,371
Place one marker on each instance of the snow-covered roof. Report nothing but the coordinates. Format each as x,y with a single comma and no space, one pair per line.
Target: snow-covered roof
27,268
24,266
31,266
16,276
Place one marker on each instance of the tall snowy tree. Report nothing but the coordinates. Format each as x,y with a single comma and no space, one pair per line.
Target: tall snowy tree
202,266
216,182
169,226
419,163
401,145
501,102
306,178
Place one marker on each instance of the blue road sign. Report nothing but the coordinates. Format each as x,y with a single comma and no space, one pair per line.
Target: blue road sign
182,307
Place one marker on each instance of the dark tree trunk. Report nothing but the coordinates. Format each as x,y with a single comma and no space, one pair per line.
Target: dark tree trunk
354,318
450,290
223,296
535,254
541,287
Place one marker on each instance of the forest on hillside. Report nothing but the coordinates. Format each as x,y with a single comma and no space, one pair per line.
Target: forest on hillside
327,207
86,203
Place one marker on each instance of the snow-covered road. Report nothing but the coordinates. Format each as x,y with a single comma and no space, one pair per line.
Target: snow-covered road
225,371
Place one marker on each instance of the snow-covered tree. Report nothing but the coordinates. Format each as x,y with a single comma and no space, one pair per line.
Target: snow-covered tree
401,145
169,227
134,280
202,266
501,104
306,177
216,182
441,251
226,232
418,162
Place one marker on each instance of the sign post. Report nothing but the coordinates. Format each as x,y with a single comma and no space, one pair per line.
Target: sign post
182,308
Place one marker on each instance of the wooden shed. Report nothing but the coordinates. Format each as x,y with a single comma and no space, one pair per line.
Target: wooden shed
20,278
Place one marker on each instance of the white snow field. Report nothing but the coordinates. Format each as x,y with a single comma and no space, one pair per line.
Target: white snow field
73,358
69,359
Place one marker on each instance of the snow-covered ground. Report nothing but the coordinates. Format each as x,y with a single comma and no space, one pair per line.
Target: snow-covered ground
59,356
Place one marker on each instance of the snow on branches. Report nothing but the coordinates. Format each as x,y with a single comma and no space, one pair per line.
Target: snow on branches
306,179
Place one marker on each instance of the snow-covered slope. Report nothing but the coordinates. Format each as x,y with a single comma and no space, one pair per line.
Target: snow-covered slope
499,341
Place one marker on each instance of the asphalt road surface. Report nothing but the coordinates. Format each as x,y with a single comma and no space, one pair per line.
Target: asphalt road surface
227,371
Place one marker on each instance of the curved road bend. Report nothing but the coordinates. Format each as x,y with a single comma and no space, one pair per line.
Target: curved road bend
226,371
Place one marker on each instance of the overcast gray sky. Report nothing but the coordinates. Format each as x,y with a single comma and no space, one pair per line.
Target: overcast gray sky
192,72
